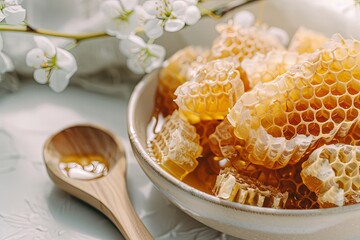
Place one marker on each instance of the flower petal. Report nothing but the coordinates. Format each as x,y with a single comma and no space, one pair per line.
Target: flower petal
129,5
153,28
65,61
192,15
179,8
244,19
59,80
111,9
174,25
14,14
46,45
137,41
41,76
280,34
151,6
154,62
135,66
125,28
2,16
141,14
132,45
6,64
157,50
35,58
12,2
191,2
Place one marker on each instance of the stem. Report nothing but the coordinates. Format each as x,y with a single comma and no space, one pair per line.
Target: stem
76,37
221,11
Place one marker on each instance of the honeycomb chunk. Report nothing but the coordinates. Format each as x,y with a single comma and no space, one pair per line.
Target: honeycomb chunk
176,147
306,41
214,90
332,172
237,43
279,121
179,68
234,187
266,67
223,142
205,129
240,43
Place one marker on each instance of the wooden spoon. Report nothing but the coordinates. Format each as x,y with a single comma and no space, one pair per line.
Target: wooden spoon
108,193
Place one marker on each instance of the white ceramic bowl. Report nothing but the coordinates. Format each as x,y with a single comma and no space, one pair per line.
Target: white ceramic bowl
239,220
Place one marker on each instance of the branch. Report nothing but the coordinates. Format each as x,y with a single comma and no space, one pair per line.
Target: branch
28,29
232,5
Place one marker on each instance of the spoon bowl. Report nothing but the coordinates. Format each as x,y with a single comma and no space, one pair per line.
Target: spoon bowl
106,193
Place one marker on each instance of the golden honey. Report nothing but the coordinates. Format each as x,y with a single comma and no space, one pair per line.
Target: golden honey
253,123
84,167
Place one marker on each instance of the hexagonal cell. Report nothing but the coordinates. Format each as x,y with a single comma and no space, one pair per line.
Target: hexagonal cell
338,89
338,115
314,128
330,102
316,103
349,63
345,101
352,114
356,72
322,91
353,87
336,67
322,115
344,76
352,169
308,116
302,105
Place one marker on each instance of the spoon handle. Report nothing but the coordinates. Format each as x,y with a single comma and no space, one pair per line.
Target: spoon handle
118,208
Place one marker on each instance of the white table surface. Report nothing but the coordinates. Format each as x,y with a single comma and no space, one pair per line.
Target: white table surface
32,207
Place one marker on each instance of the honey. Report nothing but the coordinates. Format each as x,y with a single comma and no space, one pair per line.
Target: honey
84,167
253,123
285,115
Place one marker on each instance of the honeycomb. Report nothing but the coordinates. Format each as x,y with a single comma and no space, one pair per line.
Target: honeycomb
313,103
223,142
286,179
266,67
176,147
179,68
234,187
332,172
306,41
240,43
237,43
205,129
216,88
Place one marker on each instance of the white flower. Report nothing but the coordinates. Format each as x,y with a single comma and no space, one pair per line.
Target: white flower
244,19
121,16
12,11
171,15
142,57
6,64
280,34
53,65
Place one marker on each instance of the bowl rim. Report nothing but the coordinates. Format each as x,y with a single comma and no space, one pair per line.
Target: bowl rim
137,92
